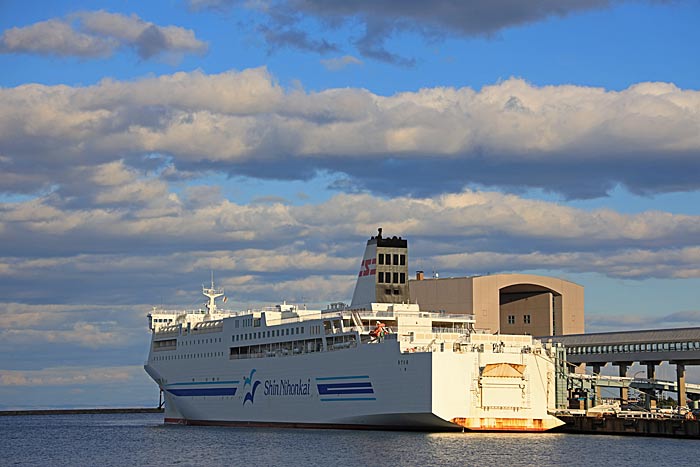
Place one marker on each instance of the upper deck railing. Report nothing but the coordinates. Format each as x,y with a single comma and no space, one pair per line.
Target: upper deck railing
420,314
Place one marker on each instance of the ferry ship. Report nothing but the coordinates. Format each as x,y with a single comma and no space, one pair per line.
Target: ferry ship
379,363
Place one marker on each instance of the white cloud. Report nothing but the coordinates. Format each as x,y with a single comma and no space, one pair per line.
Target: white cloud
315,289
68,376
614,321
55,37
569,139
478,232
625,263
91,335
99,33
147,38
338,63
53,316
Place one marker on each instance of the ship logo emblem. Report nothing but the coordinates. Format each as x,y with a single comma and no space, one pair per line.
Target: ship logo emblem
248,381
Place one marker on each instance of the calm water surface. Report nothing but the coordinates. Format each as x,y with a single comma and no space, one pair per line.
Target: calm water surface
142,439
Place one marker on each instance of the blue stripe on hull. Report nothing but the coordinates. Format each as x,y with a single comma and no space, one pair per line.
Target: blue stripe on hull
332,389
203,392
346,399
329,378
202,383
324,391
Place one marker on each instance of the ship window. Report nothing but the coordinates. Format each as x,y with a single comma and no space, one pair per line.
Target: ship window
402,276
511,319
287,331
396,291
381,258
381,277
396,278
403,260
396,260
387,291
526,319
388,259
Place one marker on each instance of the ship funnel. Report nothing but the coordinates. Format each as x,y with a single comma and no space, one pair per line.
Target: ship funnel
383,275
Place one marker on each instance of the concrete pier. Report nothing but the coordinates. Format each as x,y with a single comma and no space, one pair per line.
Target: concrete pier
613,425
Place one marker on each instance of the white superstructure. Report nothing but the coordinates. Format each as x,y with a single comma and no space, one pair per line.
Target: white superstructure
383,365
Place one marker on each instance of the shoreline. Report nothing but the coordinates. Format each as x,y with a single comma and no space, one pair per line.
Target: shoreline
666,428
11,413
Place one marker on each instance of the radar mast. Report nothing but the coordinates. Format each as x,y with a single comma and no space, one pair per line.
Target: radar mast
212,293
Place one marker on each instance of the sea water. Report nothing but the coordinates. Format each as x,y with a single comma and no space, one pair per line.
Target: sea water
143,440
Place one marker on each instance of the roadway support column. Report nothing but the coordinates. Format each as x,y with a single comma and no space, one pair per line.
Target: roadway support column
680,379
651,371
598,397
624,391
650,396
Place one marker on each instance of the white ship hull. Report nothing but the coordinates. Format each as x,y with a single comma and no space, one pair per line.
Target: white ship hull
370,386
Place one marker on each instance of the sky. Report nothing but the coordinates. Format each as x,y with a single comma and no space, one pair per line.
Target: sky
145,144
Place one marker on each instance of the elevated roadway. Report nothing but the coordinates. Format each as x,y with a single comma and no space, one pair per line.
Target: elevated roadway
679,347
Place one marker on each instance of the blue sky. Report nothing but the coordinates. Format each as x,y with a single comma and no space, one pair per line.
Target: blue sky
143,144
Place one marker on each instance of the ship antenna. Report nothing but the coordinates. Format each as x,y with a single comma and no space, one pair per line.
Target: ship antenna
212,293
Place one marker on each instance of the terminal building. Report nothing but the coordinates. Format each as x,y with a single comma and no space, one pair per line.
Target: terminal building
506,303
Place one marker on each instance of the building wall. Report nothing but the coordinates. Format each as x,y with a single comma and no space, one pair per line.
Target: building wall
481,296
572,303
452,295
539,310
